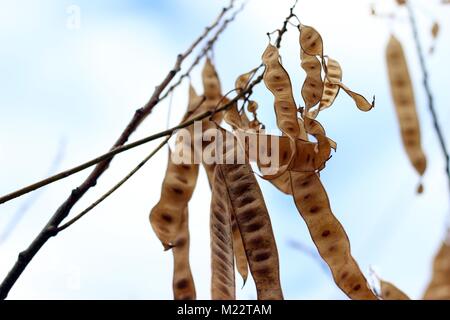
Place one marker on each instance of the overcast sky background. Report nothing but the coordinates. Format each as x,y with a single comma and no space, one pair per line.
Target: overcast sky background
69,93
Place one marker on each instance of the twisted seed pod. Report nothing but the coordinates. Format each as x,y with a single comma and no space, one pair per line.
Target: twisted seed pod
247,203
328,235
391,292
403,96
439,286
313,86
222,255
312,44
331,90
278,82
183,282
243,81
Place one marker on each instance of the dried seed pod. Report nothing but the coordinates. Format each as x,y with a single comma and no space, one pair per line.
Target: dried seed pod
391,292
239,251
331,90
403,96
278,82
176,191
312,88
247,203
311,41
401,2
328,235
439,286
312,44
183,282
222,255
243,81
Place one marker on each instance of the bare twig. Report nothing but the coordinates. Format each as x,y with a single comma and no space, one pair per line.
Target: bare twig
51,228
427,88
285,23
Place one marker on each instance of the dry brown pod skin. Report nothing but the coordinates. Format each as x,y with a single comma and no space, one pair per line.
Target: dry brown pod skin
403,96
313,87
183,282
328,235
331,90
278,82
247,203
439,286
391,292
311,43
222,255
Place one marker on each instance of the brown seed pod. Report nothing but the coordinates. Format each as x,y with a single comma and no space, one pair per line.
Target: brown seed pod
391,292
247,203
278,82
401,2
328,235
239,251
439,286
312,44
183,282
313,86
177,188
331,90
222,255
243,81
403,96
252,106
311,41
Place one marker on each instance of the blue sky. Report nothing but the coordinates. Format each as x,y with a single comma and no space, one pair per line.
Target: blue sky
82,86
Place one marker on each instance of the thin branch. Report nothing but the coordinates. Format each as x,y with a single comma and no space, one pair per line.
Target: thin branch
427,88
51,228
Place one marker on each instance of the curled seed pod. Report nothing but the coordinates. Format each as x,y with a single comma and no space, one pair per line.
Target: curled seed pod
247,203
331,90
328,235
403,96
313,127
183,282
312,44
439,286
252,106
278,82
312,88
391,292
234,119
222,255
